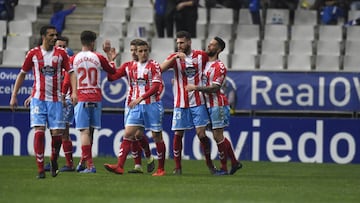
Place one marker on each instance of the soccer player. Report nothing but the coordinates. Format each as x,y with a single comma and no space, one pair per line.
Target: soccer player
217,104
88,65
144,109
68,111
189,106
141,143
46,61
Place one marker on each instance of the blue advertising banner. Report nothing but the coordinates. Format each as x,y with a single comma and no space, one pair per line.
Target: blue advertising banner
308,140
246,90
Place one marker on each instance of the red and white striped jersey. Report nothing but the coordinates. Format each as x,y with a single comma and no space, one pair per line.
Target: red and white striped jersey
88,66
188,71
47,67
215,73
66,85
141,77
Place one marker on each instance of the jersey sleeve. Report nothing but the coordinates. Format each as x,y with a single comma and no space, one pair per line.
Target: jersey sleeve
119,72
220,73
107,66
28,64
156,71
66,85
66,61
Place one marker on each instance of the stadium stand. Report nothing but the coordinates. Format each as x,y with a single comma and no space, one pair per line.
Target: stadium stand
301,44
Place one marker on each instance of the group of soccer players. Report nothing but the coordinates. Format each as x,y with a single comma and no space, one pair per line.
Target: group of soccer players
198,101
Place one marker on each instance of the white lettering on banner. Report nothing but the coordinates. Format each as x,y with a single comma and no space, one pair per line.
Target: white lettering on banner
264,91
351,151
15,133
346,96
271,146
9,89
262,86
318,139
12,76
277,142
282,92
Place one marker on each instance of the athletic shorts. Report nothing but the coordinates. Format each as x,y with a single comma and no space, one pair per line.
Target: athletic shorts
68,112
148,116
187,118
219,116
48,113
87,114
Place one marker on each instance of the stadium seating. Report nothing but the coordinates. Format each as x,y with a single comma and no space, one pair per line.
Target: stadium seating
25,12
327,63
246,46
11,58
20,27
3,28
271,62
300,47
351,63
304,45
244,62
299,62
305,17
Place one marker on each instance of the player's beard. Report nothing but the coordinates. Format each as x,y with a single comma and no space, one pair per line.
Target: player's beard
211,53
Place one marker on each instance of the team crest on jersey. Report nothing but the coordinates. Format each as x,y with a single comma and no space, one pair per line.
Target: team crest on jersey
190,72
48,70
141,81
55,59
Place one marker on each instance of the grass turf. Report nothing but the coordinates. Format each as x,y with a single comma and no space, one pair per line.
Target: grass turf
256,182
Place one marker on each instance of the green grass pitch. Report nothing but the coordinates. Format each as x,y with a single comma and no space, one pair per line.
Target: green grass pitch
256,182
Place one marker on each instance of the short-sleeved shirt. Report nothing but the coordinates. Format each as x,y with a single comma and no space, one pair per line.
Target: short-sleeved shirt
47,67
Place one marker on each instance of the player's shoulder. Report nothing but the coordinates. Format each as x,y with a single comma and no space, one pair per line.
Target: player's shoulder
198,52
153,62
34,50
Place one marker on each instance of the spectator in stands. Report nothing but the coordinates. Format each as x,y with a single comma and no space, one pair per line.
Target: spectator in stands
355,5
59,16
7,9
164,17
330,11
186,16
254,8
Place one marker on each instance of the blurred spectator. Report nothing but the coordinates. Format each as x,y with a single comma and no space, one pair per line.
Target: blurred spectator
164,17
353,22
186,16
235,4
254,8
59,16
355,5
331,10
7,9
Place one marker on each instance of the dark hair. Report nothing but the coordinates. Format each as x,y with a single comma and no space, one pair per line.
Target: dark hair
135,42
182,34
44,29
142,43
220,42
87,37
66,39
